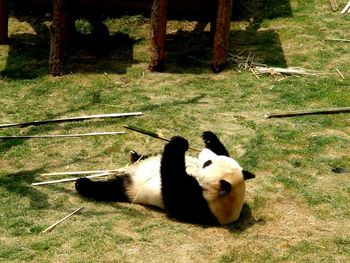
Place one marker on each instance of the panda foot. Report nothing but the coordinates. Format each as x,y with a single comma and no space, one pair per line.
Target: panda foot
84,186
209,138
213,143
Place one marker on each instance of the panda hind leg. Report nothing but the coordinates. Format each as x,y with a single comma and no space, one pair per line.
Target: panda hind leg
213,143
110,190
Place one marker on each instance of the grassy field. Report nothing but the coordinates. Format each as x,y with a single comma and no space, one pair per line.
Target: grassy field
297,209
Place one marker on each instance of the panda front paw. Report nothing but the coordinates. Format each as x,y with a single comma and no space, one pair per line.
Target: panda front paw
179,143
134,156
209,138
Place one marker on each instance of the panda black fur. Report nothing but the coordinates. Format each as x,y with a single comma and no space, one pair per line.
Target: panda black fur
209,189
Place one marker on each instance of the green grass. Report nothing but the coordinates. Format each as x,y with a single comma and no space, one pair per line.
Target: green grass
297,209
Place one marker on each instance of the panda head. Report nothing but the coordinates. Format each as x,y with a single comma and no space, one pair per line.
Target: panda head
223,182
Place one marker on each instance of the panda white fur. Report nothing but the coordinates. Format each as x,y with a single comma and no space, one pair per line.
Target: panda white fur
209,189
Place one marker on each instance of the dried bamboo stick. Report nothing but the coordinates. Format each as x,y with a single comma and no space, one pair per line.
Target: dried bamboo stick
334,5
69,119
80,172
67,180
59,135
341,74
285,71
308,112
60,221
346,8
152,134
256,75
338,39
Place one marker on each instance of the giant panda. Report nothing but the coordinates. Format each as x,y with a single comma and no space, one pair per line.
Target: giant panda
209,189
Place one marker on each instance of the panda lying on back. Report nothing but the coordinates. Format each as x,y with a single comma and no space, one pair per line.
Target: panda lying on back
206,190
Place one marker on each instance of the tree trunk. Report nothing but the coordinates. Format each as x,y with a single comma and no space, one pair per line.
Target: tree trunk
158,32
222,34
59,36
4,22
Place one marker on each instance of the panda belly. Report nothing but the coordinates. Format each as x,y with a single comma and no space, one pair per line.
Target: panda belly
145,185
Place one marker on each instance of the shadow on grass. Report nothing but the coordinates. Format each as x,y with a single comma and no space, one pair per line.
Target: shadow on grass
175,102
29,53
188,52
245,221
27,57
191,52
109,54
19,184
125,210
256,11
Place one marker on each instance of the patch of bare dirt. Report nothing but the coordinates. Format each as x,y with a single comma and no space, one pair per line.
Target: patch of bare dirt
289,222
5,165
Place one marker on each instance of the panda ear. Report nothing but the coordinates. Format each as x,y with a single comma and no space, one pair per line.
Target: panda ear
225,188
247,175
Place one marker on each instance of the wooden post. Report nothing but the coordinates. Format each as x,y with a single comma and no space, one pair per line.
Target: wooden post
213,18
222,34
4,16
59,36
158,32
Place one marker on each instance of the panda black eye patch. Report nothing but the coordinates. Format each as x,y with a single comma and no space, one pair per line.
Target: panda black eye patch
207,163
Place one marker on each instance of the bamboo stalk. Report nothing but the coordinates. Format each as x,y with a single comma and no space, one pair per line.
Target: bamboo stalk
149,133
341,74
346,8
152,134
59,135
334,5
80,172
70,119
307,112
338,39
67,180
60,221
256,75
285,71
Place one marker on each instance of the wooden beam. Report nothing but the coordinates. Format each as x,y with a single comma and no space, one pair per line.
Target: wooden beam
59,36
222,34
4,22
158,32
